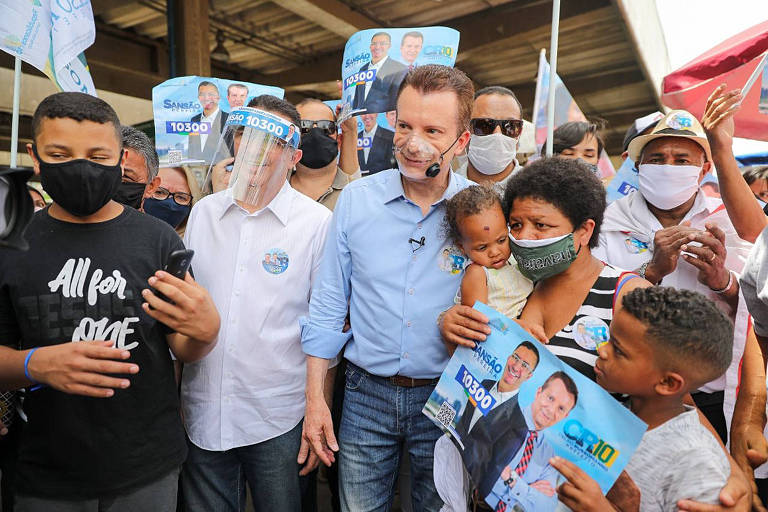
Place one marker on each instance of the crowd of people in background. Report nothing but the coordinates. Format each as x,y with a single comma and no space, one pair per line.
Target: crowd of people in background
319,313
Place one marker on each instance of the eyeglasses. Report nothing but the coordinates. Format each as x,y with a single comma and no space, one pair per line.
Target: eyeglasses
180,198
522,363
329,127
485,126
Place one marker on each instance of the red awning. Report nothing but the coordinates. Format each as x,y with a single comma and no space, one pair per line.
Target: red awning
730,62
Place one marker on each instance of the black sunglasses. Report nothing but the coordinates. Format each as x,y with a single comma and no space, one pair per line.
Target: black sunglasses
485,126
329,127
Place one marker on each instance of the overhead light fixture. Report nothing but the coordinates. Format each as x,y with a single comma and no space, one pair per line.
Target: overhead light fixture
220,52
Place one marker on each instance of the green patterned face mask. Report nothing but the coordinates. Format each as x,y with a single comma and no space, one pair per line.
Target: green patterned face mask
540,259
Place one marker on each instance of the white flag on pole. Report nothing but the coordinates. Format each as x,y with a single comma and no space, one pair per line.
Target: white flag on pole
51,35
566,110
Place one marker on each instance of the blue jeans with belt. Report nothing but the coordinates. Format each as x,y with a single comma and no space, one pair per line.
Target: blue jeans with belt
379,421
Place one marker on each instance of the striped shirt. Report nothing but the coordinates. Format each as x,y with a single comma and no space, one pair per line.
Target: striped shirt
576,343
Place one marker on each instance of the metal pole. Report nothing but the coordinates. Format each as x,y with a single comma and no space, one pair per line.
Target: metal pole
170,16
15,115
552,74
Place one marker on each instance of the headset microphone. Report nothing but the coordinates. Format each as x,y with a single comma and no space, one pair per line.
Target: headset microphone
434,169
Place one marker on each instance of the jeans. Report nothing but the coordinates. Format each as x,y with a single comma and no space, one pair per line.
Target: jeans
157,496
215,481
380,420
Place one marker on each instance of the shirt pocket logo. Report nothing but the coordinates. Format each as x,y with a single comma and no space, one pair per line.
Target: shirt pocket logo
452,260
275,261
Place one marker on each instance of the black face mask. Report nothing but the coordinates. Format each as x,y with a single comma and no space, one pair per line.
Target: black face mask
318,149
80,186
130,194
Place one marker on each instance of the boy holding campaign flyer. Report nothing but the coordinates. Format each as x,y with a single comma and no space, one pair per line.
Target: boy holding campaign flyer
664,343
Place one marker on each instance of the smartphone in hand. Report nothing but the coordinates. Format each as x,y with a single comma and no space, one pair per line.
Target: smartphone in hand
177,265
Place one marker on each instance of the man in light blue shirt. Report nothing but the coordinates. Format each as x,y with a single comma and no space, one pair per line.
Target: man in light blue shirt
527,479
384,262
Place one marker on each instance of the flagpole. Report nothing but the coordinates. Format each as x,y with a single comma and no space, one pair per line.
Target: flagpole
15,115
537,94
552,74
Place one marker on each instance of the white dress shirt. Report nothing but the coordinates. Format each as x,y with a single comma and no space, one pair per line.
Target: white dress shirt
207,119
250,388
369,135
377,67
626,242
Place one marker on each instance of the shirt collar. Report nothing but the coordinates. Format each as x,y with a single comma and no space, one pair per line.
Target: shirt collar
380,63
702,203
280,206
339,182
341,179
213,114
394,187
372,132
505,395
528,415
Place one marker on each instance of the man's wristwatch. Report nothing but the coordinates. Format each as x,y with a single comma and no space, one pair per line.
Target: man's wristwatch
642,269
723,291
511,480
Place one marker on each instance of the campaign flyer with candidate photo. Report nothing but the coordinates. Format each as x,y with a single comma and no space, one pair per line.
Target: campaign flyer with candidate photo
510,405
376,61
191,112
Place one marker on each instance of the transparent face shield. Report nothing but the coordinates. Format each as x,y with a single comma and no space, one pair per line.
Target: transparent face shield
415,156
255,152
417,159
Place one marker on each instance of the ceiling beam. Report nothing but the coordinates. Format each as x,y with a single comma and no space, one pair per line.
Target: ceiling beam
332,15
99,7
484,27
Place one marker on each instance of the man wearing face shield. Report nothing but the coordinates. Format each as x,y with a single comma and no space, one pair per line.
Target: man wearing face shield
382,261
257,247
675,235
496,126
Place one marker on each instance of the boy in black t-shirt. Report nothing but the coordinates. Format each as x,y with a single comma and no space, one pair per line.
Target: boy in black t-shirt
104,430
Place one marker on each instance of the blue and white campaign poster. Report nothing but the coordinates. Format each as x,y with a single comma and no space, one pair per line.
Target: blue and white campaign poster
509,405
625,180
191,112
376,61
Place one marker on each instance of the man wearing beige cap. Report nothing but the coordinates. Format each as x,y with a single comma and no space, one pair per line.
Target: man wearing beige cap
672,234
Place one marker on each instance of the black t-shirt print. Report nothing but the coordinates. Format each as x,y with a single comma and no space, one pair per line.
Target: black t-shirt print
83,282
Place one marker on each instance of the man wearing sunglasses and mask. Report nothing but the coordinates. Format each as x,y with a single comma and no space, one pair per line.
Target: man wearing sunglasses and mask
496,126
318,174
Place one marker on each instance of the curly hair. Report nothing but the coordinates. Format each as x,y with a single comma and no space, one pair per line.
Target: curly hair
470,201
568,185
689,330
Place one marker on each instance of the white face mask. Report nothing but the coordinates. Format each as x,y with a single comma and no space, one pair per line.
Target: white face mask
491,154
668,186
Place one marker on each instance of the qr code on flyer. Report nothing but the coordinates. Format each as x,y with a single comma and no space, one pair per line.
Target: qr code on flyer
174,156
445,415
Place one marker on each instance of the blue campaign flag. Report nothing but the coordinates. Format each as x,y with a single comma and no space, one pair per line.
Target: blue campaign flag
191,112
376,61
625,181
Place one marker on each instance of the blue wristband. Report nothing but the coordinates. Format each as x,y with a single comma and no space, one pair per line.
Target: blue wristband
26,366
